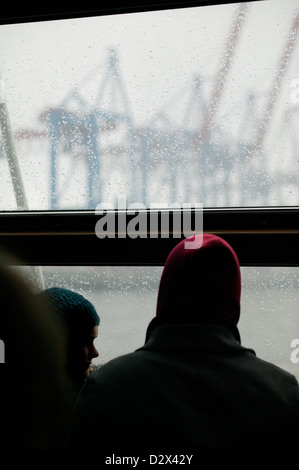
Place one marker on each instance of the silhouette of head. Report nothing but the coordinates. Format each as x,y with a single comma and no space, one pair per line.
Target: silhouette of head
200,283
81,323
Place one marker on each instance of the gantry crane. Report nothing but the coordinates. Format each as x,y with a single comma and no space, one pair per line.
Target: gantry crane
255,149
182,157
85,128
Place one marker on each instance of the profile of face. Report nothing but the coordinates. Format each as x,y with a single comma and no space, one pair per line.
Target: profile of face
89,350
82,352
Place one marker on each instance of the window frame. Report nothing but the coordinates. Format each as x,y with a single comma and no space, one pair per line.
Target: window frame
51,11
260,237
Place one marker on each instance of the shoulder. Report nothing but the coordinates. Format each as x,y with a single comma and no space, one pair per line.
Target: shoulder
119,369
279,380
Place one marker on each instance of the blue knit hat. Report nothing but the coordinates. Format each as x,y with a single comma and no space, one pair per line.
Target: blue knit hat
76,312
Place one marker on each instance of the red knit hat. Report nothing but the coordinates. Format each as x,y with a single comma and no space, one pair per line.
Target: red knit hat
200,282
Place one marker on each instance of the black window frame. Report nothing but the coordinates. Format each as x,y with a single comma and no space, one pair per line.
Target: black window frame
260,237
55,11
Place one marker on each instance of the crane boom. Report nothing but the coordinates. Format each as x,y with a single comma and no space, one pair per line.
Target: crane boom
231,44
275,89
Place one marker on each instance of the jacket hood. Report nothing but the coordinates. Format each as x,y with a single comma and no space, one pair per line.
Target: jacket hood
201,282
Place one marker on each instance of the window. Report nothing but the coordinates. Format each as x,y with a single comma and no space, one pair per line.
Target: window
99,109
99,112
125,298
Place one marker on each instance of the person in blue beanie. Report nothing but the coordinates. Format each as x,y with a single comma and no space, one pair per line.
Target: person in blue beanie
81,323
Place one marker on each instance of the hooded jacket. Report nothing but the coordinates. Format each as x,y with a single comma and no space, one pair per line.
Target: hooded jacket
200,283
192,385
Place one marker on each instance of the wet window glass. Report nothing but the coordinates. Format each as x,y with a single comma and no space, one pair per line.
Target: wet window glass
125,298
194,105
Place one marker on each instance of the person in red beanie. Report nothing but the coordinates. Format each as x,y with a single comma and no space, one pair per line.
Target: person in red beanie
192,385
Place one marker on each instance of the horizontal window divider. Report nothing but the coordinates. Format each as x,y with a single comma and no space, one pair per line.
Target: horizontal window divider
260,236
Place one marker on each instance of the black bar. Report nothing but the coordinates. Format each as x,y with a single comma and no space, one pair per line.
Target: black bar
260,237
23,12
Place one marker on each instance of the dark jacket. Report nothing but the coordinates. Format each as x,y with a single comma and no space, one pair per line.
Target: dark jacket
189,387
